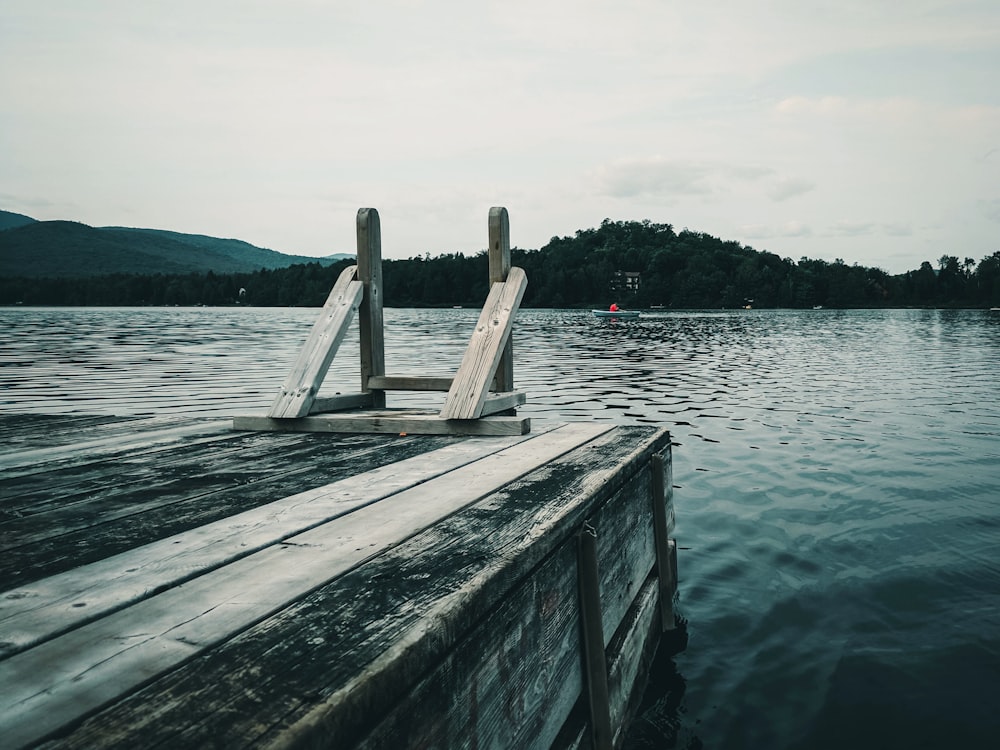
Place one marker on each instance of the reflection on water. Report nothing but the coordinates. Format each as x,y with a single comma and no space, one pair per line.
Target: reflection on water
838,479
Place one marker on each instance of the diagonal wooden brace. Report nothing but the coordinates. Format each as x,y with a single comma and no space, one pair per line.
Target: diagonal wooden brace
301,386
482,357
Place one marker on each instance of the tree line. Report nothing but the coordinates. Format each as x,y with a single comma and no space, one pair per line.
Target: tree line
636,264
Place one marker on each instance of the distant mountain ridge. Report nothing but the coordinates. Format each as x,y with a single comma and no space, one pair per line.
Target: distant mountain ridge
67,249
10,220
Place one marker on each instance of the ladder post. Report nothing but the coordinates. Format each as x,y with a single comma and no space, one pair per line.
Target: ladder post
370,311
499,255
595,665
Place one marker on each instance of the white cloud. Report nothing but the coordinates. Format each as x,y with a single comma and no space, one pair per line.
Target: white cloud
991,209
796,229
852,228
789,228
654,178
750,172
898,229
789,187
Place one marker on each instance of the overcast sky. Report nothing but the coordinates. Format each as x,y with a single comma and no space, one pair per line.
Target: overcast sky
867,130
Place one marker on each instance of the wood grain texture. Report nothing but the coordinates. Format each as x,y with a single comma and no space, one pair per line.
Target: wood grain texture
580,497
26,431
35,613
505,684
163,432
631,654
62,678
391,422
341,401
499,259
624,526
310,367
498,403
482,357
594,658
411,382
57,498
73,515
370,316
322,670
510,682
663,520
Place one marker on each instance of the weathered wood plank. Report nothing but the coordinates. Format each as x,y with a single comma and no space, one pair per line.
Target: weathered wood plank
632,651
410,382
594,661
510,682
40,611
314,359
341,401
26,431
663,521
555,508
502,402
176,483
668,486
23,431
114,490
482,357
74,673
370,317
184,487
34,460
499,259
317,679
505,701
38,504
389,422
624,527
630,655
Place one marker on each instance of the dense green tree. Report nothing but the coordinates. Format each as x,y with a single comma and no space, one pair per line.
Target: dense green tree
683,269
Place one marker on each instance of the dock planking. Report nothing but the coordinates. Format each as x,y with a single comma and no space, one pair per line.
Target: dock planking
78,510
296,589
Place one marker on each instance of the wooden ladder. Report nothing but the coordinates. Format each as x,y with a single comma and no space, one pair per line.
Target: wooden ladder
480,400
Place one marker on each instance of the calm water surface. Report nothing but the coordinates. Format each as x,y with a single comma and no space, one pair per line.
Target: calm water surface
837,473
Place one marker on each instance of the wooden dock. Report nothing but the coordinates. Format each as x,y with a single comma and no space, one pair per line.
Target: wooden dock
322,576
186,584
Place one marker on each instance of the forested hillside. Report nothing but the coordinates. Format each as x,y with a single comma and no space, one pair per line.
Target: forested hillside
636,264
40,249
10,220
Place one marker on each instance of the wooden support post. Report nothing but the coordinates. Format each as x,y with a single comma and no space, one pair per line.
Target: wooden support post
672,581
666,549
370,311
499,255
595,665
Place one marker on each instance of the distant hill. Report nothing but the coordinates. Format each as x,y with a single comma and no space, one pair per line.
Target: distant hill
66,249
10,220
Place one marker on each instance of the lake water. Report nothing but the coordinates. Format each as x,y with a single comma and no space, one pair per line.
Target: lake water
837,474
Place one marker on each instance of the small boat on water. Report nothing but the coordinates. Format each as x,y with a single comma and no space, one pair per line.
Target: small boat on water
619,314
